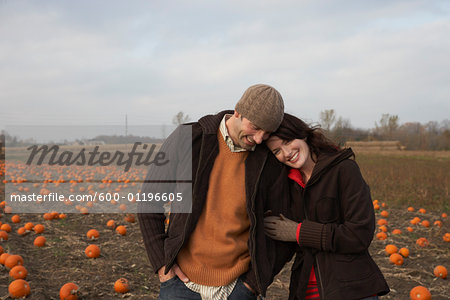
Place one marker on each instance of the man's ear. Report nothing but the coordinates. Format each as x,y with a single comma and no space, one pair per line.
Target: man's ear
236,114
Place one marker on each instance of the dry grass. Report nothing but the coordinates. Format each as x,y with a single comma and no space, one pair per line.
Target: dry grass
408,178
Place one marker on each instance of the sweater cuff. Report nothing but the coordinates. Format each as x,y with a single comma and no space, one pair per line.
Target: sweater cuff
311,235
298,232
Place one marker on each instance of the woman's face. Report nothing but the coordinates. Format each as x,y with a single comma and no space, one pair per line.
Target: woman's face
293,153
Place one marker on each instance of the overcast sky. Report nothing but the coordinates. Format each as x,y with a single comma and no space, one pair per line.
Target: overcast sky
92,62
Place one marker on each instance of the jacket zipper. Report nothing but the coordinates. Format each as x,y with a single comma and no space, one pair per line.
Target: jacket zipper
253,231
315,257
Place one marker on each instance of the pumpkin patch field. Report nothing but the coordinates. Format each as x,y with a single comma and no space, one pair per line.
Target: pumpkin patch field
101,255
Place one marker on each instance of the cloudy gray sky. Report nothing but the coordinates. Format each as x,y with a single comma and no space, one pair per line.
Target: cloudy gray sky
92,62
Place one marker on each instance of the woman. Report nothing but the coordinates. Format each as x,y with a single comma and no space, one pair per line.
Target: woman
333,201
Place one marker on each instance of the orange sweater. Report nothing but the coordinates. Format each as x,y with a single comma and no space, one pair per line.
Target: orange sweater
217,251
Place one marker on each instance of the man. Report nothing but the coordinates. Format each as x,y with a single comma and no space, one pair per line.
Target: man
219,250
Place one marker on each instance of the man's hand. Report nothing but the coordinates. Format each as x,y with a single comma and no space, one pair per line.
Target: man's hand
281,228
174,271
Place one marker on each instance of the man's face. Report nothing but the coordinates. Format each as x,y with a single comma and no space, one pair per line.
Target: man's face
246,134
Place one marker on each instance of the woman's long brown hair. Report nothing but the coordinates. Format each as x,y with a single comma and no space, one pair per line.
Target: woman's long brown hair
292,128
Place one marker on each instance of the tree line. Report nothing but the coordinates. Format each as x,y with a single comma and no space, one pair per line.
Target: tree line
412,135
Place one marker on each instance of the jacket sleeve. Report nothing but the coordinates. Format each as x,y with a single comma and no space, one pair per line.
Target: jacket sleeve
354,233
161,179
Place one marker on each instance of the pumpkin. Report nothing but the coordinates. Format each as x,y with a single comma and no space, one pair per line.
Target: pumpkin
382,222
420,293
440,271
381,236
92,234
404,252
3,257
13,260
69,291
29,226
19,288
15,219
121,230
18,272
3,235
39,228
390,249
21,231
92,251
111,224
396,231
396,258
422,210
425,223
5,227
446,237
410,209
39,241
422,242
121,286
437,223
384,214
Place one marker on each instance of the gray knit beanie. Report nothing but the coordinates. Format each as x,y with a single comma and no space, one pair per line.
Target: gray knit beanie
262,105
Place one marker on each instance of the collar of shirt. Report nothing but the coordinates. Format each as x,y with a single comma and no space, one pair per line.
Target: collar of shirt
227,138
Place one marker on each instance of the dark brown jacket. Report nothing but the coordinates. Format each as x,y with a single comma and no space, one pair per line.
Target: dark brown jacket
266,185
337,229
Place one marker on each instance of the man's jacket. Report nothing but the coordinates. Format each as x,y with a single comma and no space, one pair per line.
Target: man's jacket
266,185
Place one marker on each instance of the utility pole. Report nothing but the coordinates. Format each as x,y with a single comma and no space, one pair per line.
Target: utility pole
126,124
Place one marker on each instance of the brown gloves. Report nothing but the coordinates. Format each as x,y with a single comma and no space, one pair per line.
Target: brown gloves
281,228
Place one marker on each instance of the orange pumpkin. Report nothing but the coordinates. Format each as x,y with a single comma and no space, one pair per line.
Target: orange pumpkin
92,234
440,271
18,272
111,224
39,241
437,223
390,249
422,242
381,236
92,251
396,258
3,257
396,231
420,293
122,230
13,260
69,291
445,237
29,226
422,210
15,219
39,228
121,286
404,252
425,223
19,288
410,209
382,222
384,214
3,235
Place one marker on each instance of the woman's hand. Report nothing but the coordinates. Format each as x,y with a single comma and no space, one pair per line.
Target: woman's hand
281,228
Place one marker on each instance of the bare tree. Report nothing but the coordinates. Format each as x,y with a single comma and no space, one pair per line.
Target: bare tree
327,118
180,118
388,125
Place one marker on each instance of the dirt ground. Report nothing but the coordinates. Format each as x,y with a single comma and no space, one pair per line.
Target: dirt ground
63,260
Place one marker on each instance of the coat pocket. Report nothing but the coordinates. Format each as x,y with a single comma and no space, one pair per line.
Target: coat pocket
327,210
350,267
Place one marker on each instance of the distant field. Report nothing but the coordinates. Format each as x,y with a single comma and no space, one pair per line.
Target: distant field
408,177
